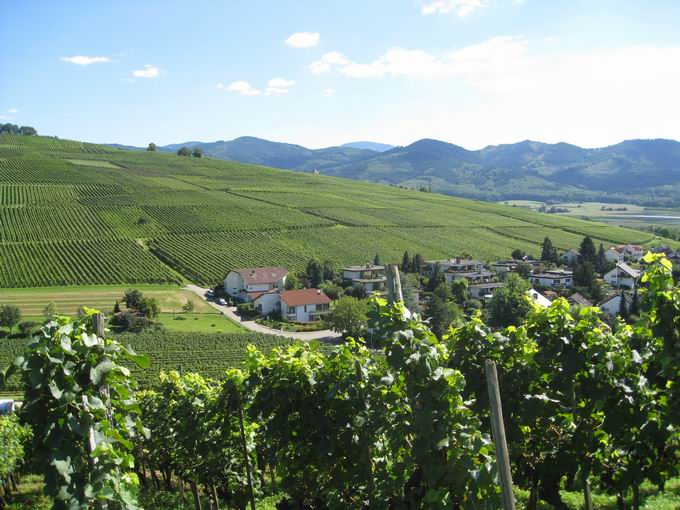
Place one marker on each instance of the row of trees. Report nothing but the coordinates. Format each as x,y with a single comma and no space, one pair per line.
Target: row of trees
18,130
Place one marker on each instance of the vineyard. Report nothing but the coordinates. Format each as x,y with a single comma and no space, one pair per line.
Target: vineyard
589,410
74,213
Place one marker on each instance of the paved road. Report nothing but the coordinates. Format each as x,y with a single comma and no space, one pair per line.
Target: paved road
230,311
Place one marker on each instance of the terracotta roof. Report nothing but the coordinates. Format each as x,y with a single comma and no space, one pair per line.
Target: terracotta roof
254,295
304,297
255,275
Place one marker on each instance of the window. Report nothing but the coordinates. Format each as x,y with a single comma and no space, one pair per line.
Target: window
305,308
291,309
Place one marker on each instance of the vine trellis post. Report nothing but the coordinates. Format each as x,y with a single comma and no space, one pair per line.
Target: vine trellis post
498,432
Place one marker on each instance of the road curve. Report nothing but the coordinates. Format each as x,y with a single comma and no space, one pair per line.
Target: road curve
230,312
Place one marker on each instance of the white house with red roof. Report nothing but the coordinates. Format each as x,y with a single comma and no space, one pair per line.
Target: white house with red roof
303,305
250,282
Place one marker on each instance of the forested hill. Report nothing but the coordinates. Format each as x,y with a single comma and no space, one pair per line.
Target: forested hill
78,213
645,172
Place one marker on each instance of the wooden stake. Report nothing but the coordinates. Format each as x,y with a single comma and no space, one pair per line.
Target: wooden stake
498,431
394,284
98,324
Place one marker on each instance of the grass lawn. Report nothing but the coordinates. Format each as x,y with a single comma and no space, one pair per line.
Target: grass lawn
199,323
67,300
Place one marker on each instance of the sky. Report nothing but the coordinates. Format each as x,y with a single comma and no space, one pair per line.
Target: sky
323,73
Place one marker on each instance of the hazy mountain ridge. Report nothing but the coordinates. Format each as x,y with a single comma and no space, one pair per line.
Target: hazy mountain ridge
646,172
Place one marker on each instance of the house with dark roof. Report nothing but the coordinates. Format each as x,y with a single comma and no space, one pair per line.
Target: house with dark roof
622,276
612,305
245,283
577,299
303,305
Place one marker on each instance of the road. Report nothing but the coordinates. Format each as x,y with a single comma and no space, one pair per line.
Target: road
230,312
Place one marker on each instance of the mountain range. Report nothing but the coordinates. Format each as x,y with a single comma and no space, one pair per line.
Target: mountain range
645,172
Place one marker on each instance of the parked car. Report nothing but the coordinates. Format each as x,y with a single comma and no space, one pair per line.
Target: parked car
222,301
209,293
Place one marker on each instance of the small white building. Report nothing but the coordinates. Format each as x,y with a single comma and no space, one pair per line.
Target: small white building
612,305
371,284
571,256
453,266
484,290
622,276
352,273
470,276
303,305
266,303
554,279
613,255
240,282
538,298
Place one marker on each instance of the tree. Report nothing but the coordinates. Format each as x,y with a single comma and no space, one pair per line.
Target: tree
328,271
596,293
189,306
197,152
635,304
293,282
133,298
348,315
587,251
410,285
601,262
524,269
116,307
436,278
441,313
406,263
10,315
460,290
314,273
417,263
376,260
623,306
152,147
548,251
584,274
149,308
184,151
27,131
517,254
510,303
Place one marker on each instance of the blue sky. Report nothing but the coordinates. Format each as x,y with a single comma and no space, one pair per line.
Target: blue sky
471,72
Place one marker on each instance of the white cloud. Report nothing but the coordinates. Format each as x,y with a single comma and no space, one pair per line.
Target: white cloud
280,83
328,92
13,110
275,91
5,117
327,61
83,60
149,71
303,40
242,87
462,7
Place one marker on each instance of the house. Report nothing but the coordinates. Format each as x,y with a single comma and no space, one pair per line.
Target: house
634,251
239,283
554,279
303,305
622,276
470,276
613,255
510,266
266,303
612,305
576,299
538,298
453,265
6,407
370,276
484,290
571,256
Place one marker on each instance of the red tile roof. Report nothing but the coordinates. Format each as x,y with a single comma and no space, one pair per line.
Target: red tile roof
304,297
255,275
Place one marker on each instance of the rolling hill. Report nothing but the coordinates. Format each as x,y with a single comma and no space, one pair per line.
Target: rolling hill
77,213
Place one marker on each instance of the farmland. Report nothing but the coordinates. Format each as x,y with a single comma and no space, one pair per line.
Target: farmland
73,213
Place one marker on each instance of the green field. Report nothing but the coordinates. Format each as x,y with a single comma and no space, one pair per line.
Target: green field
73,213
209,354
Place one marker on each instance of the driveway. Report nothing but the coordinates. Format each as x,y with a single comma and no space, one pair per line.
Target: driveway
230,312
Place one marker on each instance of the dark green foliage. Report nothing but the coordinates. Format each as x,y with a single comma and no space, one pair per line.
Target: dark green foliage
584,274
197,152
376,259
133,298
517,254
152,147
441,314
587,251
623,306
524,269
459,290
10,315
417,263
184,151
347,316
601,260
548,251
149,308
16,130
406,263
314,273
510,304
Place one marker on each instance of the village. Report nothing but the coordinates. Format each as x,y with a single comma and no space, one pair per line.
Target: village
442,290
